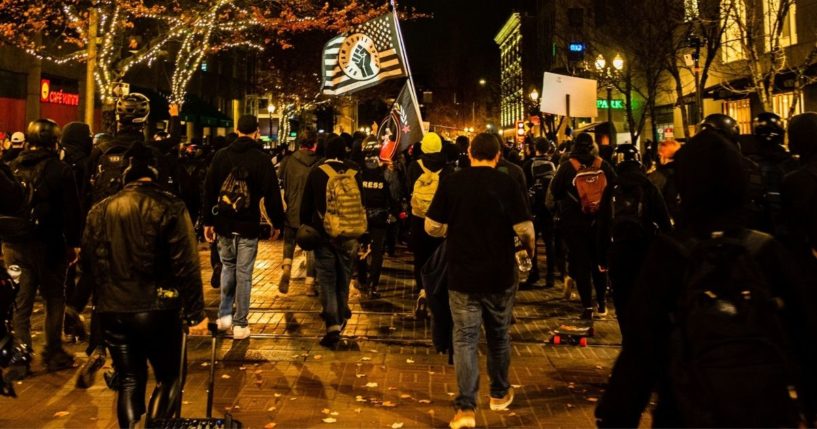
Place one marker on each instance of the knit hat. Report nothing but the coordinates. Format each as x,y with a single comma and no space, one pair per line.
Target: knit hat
432,143
17,139
140,163
77,135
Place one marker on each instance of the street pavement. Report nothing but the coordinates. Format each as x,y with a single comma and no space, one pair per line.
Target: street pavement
385,374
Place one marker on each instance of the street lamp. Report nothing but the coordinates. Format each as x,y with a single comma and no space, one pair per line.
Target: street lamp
534,96
270,110
608,76
483,82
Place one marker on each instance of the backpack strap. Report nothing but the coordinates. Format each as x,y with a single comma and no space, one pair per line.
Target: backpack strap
575,163
426,170
326,168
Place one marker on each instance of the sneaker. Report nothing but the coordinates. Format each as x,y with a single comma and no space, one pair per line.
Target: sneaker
330,340
241,332
224,323
58,361
283,284
87,372
420,310
463,419
502,403
602,310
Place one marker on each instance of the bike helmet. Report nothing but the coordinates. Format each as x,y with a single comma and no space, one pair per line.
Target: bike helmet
768,127
723,124
626,153
132,109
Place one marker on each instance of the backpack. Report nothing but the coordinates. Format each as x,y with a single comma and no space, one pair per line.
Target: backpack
628,204
729,361
34,206
234,195
542,172
424,189
590,183
107,180
345,217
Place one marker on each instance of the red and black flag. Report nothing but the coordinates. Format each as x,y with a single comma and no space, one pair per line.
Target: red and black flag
403,125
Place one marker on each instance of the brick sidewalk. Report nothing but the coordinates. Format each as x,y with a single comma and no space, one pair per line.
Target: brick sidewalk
386,371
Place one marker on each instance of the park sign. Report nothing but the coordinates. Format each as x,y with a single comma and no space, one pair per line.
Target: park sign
48,95
615,104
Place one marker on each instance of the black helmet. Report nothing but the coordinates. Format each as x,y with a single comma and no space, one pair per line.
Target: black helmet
724,124
43,133
307,237
627,152
768,127
132,109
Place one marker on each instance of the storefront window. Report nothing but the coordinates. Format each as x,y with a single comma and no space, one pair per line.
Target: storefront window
781,104
741,111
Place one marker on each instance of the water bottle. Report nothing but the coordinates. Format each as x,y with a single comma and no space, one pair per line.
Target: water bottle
523,260
15,272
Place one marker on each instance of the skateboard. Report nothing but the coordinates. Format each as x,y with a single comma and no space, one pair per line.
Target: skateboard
574,333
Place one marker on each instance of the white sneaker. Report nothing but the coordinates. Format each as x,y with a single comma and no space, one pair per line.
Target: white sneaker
224,323
241,332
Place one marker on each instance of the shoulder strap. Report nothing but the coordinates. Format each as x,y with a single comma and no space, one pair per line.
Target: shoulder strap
597,163
422,166
575,163
326,168
350,172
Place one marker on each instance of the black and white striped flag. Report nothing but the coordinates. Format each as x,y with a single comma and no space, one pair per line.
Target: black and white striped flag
365,56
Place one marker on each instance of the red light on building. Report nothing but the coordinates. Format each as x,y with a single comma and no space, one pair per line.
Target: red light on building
56,97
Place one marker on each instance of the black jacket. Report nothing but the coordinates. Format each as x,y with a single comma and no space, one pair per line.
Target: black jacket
313,203
566,196
294,171
515,171
137,242
654,213
10,189
263,183
62,218
664,179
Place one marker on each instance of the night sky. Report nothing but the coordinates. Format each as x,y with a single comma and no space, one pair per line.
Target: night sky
455,48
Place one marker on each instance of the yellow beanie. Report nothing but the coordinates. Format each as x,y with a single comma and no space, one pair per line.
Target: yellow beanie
432,143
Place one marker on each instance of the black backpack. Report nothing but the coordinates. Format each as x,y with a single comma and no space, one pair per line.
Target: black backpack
628,204
542,172
730,365
34,207
234,195
107,180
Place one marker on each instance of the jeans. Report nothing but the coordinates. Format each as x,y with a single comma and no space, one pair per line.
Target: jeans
289,251
237,259
134,339
470,311
333,263
370,274
43,268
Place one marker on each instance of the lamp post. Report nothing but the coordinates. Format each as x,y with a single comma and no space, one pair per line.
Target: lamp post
608,76
271,110
534,97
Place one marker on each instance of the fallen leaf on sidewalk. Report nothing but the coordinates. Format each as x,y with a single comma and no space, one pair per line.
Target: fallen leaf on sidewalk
225,376
329,420
396,425
569,405
317,357
334,413
392,388
258,372
593,399
366,358
431,373
359,398
516,386
270,425
511,414
242,368
326,411
424,401
599,367
430,412
371,384
271,409
293,398
409,361
277,395
185,402
59,414
389,404
372,351
357,410
450,394
360,375
205,364
405,396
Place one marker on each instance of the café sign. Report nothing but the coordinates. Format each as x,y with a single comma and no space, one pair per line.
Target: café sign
47,95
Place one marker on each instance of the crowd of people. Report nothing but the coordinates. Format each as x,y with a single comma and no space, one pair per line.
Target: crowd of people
708,255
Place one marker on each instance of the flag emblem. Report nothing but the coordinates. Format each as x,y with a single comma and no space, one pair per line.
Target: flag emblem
369,54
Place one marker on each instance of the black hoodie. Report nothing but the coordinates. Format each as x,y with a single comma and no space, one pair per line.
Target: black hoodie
713,187
263,183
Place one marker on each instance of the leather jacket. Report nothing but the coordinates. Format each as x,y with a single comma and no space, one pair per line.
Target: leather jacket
140,254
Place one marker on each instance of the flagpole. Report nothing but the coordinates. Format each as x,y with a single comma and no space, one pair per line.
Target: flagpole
408,67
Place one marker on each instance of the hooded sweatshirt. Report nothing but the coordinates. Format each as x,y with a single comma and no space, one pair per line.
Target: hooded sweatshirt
244,153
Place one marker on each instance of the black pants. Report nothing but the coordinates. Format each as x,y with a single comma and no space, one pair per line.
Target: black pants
423,246
625,262
543,225
370,274
583,265
133,340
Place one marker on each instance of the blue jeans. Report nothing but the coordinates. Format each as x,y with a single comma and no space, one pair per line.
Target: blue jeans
333,266
237,259
469,311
